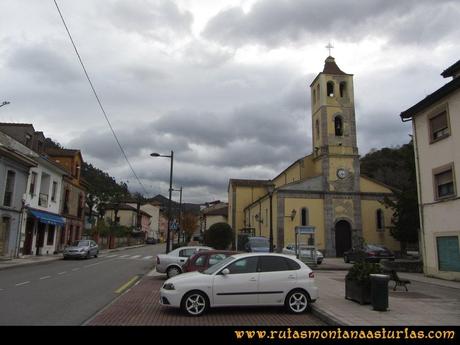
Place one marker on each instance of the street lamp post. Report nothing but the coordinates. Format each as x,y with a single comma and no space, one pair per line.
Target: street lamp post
168,236
271,189
179,228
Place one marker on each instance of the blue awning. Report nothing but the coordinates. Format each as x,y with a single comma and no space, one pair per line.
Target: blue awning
48,218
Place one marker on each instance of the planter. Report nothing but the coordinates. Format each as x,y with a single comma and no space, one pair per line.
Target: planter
358,291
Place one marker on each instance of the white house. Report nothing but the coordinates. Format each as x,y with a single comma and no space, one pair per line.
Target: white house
436,129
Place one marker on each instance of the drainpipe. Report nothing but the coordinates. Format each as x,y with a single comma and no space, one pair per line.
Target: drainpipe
18,238
420,203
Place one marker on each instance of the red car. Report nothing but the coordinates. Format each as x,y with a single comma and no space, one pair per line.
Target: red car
204,259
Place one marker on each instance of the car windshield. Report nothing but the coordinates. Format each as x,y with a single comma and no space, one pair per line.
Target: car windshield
218,266
259,242
80,244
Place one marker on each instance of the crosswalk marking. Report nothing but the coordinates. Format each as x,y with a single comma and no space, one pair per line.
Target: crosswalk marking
123,256
147,257
111,256
135,256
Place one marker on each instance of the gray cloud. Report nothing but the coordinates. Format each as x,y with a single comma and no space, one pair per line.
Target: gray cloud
44,63
160,20
274,23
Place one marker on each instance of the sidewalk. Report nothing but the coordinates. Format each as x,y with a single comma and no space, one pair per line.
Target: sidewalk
429,301
34,260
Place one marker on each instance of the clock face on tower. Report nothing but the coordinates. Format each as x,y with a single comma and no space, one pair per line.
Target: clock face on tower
341,173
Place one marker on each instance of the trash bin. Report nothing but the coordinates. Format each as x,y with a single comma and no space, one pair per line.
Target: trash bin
379,291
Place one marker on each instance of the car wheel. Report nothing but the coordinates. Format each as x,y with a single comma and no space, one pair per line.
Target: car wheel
297,301
97,253
346,259
195,303
173,271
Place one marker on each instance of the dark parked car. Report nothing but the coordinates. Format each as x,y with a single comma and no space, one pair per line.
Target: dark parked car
257,245
373,253
202,260
150,240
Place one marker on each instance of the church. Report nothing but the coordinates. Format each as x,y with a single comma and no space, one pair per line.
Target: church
325,189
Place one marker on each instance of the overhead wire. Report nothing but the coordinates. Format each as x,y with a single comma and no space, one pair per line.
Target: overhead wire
97,98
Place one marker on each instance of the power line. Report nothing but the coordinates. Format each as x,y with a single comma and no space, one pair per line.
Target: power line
98,100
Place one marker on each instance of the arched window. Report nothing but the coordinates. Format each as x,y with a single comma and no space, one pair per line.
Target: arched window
330,89
338,125
317,92
380,220
317,128
314,96
304,216
343,89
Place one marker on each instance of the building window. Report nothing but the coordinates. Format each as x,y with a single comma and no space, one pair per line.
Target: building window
330,89
80,206
317,92
53,191
439,127
77,171
314,96
65,208
33,183
317,129
304,216
50,238
444,183
343,89
9,188
28,140
380,220
448,253
338,125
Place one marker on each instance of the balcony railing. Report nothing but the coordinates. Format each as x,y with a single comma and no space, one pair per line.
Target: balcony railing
43,200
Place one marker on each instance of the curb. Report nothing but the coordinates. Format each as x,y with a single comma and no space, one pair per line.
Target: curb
112,302
326,317
30,263
21,264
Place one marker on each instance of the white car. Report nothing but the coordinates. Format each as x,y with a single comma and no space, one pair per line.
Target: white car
251,279
290,249
171,263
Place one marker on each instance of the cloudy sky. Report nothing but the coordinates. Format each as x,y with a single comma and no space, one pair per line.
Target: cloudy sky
225,84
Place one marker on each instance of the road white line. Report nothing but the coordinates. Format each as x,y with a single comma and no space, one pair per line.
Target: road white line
75,269
62,272
135,256
45,277
112,256
147,257
97,263
23,283
123,256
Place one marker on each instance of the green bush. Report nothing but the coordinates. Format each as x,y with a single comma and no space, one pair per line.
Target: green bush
218,236
362,270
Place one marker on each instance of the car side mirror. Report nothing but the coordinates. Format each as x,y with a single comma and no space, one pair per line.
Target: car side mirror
225,271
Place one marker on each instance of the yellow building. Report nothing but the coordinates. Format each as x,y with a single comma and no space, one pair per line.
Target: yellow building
324,189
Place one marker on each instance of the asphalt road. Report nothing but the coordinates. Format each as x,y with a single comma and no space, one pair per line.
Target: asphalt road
72,291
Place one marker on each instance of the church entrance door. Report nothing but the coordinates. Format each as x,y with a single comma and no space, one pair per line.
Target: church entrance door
342,237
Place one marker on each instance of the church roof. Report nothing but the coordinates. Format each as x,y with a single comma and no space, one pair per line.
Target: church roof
330,67
310,184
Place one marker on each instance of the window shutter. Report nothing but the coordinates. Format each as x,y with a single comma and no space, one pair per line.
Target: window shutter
444,178
439,122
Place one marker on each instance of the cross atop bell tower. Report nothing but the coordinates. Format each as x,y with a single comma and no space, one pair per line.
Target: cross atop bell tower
329,47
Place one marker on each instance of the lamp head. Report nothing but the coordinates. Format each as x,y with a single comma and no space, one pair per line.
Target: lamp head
155,154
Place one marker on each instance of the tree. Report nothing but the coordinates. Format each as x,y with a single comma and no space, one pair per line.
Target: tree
189,224
218,236
405,221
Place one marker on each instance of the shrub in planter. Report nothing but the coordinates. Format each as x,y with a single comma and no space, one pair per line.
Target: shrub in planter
358,281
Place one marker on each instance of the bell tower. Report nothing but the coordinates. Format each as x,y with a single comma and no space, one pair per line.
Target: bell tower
335,152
